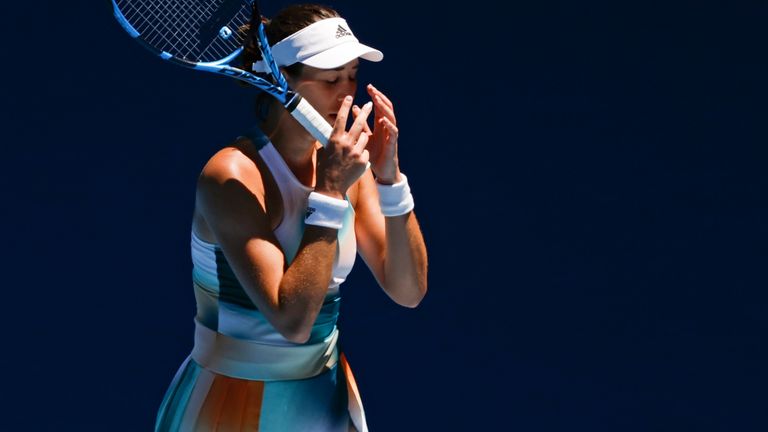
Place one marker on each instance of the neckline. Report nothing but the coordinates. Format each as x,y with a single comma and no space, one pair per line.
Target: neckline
289,175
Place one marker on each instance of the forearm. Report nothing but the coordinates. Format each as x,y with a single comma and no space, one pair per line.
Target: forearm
304,285
405,261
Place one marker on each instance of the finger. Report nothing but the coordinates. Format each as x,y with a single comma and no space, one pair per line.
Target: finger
361,144
392,131
373,91
360,121
383,109
391,126
355,112
341,117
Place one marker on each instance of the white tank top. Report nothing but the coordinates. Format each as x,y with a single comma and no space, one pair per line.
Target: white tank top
291,228
223,305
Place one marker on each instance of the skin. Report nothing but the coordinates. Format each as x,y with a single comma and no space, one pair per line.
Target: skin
238,204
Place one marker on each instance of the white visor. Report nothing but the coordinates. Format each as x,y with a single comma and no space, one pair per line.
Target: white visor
325,44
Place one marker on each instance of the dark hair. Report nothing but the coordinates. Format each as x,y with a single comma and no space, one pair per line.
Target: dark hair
287,22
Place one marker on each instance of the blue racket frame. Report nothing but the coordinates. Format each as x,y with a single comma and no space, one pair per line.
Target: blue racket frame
278,90
297,106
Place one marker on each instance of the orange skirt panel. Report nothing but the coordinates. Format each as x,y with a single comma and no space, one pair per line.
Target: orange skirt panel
202,400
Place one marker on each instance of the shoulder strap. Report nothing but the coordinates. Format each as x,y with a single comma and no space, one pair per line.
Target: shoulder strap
257,137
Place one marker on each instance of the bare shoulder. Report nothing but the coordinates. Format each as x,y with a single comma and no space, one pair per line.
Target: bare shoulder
232,165
230,200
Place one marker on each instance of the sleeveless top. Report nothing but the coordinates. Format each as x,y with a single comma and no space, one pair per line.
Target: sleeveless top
224,307
241,372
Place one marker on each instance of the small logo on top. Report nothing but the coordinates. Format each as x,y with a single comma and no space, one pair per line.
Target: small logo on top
341,32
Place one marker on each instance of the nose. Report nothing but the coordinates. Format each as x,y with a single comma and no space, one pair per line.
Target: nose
344,88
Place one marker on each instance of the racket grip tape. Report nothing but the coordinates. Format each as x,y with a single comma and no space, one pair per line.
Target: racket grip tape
312,121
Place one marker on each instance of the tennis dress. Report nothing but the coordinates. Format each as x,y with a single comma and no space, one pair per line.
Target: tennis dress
243,375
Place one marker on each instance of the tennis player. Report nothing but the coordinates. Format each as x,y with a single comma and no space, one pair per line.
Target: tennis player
278,222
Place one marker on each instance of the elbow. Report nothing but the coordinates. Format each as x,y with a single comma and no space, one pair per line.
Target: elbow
413,303
414,297
295,332
299,337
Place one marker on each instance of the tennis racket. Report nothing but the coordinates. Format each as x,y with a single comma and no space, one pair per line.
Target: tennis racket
203,35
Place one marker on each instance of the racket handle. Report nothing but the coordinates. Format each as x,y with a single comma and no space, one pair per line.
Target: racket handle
312,121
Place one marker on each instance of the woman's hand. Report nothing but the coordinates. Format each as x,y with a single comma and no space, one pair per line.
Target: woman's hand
383,145
345,158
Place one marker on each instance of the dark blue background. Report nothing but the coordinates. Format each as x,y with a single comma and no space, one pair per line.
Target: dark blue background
589,176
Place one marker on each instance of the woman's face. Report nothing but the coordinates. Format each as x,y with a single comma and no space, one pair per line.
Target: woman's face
325,89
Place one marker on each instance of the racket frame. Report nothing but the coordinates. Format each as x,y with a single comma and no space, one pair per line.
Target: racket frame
293,102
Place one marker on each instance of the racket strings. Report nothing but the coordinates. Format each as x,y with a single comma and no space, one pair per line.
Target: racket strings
174,26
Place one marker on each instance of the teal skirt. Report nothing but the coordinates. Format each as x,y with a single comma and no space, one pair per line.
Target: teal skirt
202,400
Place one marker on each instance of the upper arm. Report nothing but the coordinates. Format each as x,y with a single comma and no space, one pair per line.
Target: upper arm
230,194
369,226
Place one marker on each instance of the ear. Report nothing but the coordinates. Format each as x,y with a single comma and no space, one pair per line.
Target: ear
292,73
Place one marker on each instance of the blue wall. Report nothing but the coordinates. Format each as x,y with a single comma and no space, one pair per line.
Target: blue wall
590,179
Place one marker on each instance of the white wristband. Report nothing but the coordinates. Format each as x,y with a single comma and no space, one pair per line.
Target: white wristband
325,211
396,199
